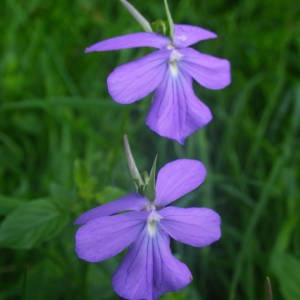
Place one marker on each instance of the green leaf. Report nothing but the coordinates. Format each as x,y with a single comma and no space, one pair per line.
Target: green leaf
286,267
7,204
32,223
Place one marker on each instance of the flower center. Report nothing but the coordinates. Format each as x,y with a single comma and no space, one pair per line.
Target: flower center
152,221
173,62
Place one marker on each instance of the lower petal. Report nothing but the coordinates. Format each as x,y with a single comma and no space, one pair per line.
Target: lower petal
170,274
176,112
150,270
134,277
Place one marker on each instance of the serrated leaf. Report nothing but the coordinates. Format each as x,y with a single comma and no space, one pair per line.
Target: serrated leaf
7,204
32,223
286,268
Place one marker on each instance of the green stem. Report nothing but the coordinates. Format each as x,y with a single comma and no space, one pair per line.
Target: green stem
268,289
137,15
170,21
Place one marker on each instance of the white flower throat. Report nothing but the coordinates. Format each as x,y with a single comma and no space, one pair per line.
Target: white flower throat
173,62
152,220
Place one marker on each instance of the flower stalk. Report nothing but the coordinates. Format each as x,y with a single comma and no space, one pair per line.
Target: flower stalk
137,15
268,289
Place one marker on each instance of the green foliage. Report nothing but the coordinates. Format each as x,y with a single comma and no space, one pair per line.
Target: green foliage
61,143
84,182
32,223
7,204
287,270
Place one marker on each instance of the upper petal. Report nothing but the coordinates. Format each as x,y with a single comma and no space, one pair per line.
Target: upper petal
132,81
133,40
105,237
178,178
209,71
186,35
129,202
197,227
149,269
176,112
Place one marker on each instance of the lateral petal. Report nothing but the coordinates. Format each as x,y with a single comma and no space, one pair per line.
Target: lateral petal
176,112
104,237
177,178
209,71
133,40
129,202
186,35
197,227
135,80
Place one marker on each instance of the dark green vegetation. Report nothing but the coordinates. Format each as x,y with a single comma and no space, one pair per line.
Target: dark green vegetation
61,146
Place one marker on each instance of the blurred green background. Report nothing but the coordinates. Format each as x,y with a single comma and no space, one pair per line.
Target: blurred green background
61,145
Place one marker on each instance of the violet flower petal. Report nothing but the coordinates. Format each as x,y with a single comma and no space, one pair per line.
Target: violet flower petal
133,278
135,80
129,202
176,112
133,40
198,114
167,115
177,178
149,269
197,227
170,273
186,35
105,237
209,71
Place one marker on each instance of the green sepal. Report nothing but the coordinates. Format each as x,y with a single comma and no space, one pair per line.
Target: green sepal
160,26
150,185
134,172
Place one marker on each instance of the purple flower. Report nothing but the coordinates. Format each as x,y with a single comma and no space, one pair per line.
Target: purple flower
149,269
176,111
